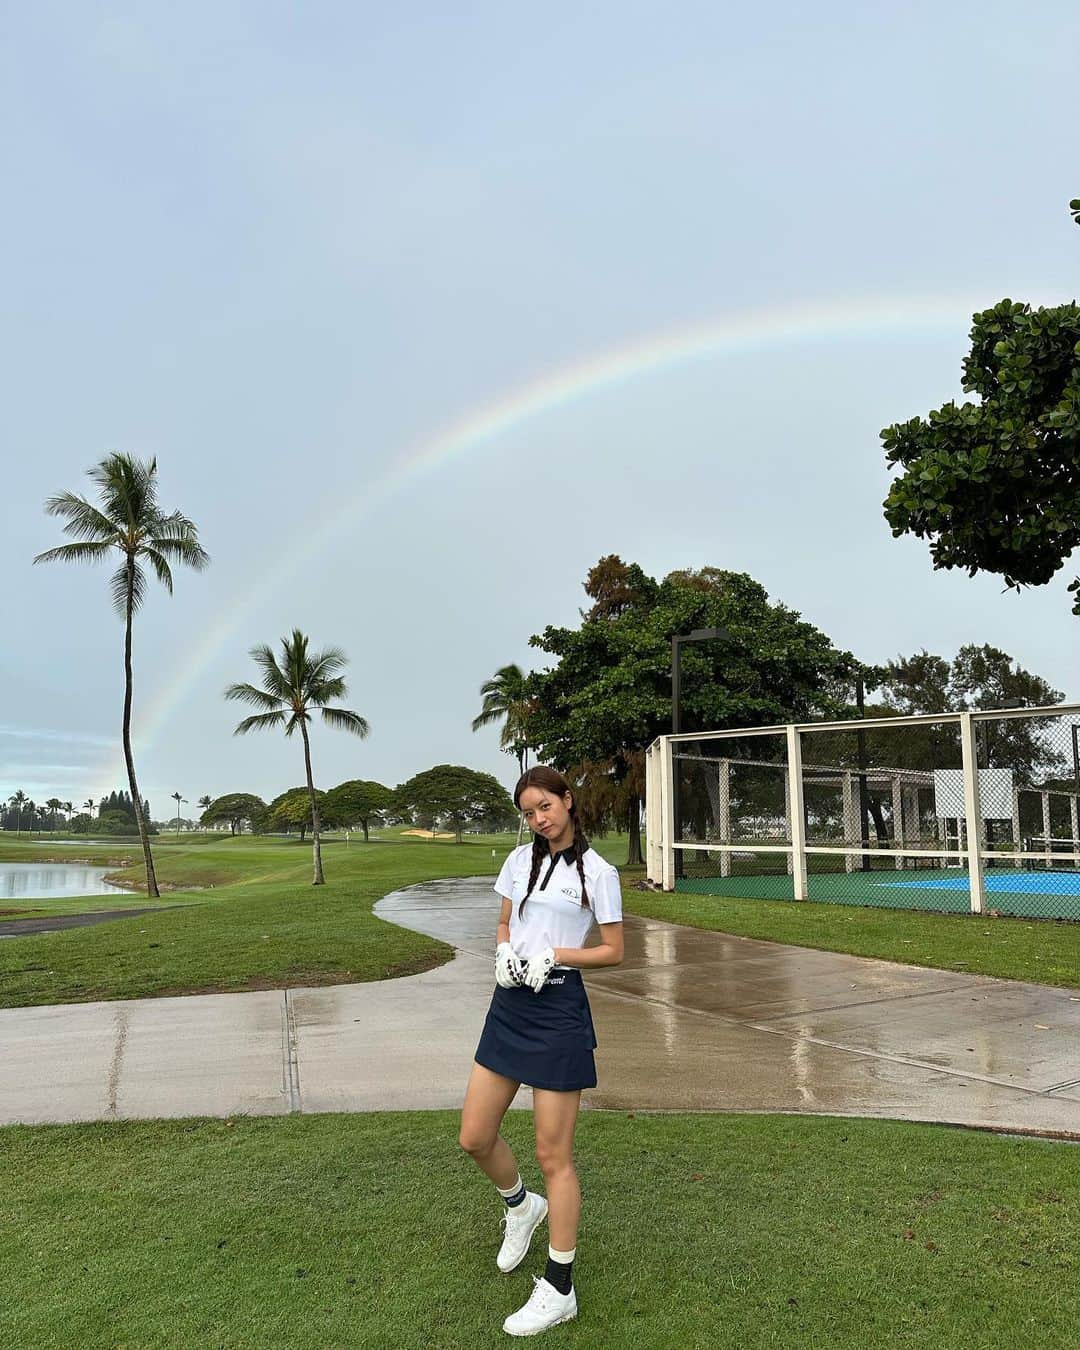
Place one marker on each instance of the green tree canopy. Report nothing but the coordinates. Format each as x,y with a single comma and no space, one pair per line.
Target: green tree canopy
995,485
450,794
360,801
234,809
609,693
292,809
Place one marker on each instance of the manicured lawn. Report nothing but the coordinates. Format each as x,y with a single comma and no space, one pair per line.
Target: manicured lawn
375,1231
250,919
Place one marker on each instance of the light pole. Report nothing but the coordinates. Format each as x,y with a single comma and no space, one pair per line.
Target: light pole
677,641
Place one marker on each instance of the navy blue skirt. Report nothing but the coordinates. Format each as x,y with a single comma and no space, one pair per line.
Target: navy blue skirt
544,1040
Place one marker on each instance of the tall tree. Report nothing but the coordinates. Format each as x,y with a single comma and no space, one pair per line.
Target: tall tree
18,801
506,700
995,485
454,795
609,694
360,802
290,690
127,520
234,808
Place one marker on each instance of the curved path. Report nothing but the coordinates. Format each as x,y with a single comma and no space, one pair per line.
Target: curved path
690,1021
694,1020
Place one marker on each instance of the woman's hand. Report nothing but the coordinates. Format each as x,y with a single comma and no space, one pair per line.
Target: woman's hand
509,973
539,967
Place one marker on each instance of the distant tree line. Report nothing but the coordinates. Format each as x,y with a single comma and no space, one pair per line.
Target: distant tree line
115,815
448,797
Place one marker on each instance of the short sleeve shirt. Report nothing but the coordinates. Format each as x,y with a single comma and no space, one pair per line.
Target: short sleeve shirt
554,915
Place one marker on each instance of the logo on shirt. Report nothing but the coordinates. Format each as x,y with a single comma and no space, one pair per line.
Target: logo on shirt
574,895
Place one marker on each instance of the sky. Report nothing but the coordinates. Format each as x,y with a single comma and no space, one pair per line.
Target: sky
421,313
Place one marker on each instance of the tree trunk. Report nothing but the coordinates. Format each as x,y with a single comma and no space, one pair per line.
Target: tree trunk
633,852
136,799
366,839
318,879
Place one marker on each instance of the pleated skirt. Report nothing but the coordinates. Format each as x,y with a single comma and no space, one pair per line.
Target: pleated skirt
544,1040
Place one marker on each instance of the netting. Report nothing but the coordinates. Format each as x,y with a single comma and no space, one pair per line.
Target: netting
886,813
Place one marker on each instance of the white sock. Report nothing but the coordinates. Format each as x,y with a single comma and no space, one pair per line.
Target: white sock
517,1186
563,1258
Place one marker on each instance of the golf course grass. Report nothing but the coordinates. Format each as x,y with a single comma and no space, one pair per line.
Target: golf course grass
241,914
376,1231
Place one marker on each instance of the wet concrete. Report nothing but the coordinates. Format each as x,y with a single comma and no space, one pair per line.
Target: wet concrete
694,1020
690,1021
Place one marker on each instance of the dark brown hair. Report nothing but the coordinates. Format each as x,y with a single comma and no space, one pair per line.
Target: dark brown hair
540,776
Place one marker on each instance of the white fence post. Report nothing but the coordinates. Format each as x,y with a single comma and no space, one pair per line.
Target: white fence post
972,813
796,812
667,802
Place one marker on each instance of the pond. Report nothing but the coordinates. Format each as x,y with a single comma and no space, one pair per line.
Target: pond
40,880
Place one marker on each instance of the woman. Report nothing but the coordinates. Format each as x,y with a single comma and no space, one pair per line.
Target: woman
539,1031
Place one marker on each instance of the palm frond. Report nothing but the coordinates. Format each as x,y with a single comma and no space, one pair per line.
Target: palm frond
160,566
128,489
119,588
325,665
88,551
84,520
176,537
319,692
258,698
273,677
294,721
341,719
259,722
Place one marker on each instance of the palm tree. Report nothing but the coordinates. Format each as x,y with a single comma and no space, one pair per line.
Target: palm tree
18,801
67,808
505,698
289,691
204,804
54,804
130,521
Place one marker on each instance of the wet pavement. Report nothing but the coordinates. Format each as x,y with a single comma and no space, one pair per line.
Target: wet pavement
690,1021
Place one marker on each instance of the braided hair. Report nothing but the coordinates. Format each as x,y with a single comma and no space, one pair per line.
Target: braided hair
540,776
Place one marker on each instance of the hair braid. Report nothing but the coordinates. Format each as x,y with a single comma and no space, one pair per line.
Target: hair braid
539,848
581,845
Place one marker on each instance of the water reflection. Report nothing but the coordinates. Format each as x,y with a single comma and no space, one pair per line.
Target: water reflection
39,881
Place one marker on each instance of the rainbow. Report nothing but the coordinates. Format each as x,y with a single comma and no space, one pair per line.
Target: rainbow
870,318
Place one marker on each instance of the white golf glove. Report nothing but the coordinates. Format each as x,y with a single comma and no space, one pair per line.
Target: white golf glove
509,973
538,968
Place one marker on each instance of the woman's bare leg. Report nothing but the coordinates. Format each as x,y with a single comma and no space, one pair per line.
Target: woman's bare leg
487,1099
555,1116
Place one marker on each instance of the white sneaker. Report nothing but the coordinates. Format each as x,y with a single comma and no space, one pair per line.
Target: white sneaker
546,1308
521,1223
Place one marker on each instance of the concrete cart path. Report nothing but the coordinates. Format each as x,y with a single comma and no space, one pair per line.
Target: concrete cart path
691,1021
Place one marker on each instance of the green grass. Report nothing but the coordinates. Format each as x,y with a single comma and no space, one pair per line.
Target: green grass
375,1231
256,922
1019,949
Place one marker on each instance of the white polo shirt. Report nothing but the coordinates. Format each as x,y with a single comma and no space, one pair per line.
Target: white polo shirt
554,915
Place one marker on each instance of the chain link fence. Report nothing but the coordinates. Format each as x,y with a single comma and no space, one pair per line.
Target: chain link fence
955,812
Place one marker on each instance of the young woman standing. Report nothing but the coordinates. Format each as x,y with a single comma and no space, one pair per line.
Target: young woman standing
539,1031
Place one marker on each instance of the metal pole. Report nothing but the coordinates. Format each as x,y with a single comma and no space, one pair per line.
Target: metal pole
676,694
1076,756
864,806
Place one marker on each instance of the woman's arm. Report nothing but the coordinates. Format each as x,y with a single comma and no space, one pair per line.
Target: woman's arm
608,952
502,933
